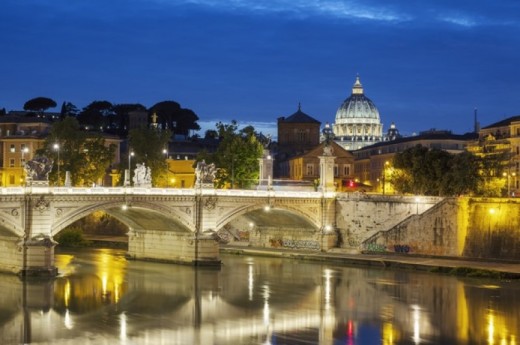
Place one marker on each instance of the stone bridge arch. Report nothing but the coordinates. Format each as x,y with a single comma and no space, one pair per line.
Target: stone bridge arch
309,210
138,215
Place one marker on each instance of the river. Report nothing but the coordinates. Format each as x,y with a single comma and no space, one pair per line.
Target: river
101,298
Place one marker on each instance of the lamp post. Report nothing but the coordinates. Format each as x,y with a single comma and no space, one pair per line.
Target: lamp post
508,175
24,151
130,155
56,146
384,175
165,152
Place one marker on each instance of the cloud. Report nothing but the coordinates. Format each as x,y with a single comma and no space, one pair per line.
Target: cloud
303,8
459,20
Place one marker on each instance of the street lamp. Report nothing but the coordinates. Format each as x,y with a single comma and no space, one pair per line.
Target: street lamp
130,155
24,151
56,146
384,175
165,152
508,175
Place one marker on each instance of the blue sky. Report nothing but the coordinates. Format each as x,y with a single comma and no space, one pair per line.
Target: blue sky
425,64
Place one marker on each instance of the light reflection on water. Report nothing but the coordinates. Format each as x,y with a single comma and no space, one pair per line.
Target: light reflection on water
99,297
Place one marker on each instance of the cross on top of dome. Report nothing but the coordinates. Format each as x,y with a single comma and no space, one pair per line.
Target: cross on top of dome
357,89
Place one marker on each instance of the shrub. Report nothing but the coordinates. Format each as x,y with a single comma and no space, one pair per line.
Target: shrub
72,237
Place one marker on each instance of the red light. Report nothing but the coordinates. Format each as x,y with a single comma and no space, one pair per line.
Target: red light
350,329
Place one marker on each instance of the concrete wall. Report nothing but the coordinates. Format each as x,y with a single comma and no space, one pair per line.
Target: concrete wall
284,237
10,254
172,247
465,227
360,216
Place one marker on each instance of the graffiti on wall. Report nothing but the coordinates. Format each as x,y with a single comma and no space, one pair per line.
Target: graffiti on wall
400,248
374,247
295,244
301,244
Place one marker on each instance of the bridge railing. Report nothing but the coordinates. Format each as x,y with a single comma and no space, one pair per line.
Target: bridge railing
160,191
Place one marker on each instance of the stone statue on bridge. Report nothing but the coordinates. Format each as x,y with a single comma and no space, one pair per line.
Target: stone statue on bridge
37,171
205,174
142,176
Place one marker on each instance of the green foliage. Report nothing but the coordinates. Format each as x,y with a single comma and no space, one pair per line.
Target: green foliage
98,115
100,223
174,118
148,145
236,157
86,157
121,123
68,109
72,237
419,170
39,104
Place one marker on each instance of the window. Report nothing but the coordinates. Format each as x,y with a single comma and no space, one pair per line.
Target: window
11,163
336,170
346,169
12,149
310,169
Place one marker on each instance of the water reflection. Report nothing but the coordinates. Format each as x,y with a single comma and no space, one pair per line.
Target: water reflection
101,298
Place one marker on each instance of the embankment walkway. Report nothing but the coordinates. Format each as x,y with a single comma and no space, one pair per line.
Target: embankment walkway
459,266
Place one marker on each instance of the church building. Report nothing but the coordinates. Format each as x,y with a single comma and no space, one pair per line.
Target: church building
357,121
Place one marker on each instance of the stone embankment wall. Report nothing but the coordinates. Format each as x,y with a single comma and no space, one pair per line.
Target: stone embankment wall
465,227
361,216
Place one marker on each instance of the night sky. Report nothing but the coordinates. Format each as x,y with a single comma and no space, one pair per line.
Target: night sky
425,64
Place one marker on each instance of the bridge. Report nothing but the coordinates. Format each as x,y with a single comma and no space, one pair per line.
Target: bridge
171,225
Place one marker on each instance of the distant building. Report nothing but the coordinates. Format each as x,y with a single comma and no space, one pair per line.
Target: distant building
372,161
20,137
297,134
306,167
357,121
502,138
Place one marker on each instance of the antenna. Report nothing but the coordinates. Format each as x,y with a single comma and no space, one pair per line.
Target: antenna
476,125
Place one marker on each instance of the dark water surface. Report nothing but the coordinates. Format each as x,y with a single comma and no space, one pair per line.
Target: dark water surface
101,298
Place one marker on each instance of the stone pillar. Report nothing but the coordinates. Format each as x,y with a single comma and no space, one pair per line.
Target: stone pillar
127,178
266,171
68,182
38,257
327,171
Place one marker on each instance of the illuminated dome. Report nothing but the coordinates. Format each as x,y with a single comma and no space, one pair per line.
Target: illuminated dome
357,121
357,107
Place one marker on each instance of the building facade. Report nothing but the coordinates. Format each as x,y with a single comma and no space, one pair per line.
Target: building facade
306,167
501,140
297,134
373,166
20,137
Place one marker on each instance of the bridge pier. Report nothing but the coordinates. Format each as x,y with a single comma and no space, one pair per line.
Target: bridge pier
38,256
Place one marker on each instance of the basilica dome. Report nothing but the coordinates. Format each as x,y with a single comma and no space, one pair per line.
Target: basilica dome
357,121
357,107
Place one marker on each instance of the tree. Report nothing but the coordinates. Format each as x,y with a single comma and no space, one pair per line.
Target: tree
39,104
174,118
87,158
98,115
419,170
236,156
122,117
148,145
68,109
